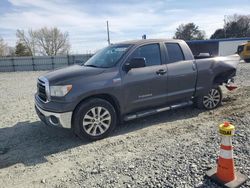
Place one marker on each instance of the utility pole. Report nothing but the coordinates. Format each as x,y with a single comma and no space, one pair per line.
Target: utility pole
108,32
225,27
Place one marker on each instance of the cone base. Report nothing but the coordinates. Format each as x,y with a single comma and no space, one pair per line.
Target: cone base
239,180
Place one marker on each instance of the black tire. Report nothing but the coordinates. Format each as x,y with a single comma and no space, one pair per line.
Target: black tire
210,102
91,129
247,60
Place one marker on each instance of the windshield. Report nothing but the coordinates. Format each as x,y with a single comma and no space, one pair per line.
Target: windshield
107,57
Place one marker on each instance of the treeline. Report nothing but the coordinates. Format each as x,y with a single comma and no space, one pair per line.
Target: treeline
235,26
43,41
52,41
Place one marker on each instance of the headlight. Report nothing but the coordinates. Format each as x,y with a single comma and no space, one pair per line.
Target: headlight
60,91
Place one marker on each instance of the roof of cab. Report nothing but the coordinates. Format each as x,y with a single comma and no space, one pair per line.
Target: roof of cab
145,41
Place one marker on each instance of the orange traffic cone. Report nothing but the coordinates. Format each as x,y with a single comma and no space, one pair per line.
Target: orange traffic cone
224,174
225,165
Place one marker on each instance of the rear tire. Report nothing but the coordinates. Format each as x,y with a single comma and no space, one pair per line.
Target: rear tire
211,100
94,119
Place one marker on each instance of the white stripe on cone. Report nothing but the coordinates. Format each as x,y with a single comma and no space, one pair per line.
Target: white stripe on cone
226,154
226,141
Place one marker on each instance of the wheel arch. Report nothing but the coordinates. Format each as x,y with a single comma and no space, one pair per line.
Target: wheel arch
223,77
110,98
199,100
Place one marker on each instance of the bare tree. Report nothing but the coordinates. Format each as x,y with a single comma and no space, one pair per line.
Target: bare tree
235,26
45,41
3,47
29,40
51,41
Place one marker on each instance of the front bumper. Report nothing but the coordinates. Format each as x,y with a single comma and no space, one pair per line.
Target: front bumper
54,119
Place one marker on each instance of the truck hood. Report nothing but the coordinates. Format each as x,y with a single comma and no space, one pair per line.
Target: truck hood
64,75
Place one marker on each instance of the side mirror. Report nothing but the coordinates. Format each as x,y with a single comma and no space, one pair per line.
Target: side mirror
134,63
204,55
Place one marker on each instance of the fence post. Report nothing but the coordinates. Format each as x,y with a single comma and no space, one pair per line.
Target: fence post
52,60
13,64
73,59
68,59
33,63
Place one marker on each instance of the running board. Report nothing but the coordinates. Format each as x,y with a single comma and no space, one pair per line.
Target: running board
155,111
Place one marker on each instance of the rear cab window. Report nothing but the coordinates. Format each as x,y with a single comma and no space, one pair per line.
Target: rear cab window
175,52
151,52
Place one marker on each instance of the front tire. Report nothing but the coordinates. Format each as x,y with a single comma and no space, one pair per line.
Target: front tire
211,100
94,119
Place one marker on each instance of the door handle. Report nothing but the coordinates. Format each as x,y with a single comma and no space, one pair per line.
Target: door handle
161,72
194,66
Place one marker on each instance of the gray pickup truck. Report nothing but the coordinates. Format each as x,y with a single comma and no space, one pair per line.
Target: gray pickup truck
130,80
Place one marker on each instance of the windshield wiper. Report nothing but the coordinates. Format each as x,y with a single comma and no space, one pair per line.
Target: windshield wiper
90,66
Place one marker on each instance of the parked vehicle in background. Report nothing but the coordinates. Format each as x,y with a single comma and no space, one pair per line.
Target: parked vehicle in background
244,51
216,47
130,80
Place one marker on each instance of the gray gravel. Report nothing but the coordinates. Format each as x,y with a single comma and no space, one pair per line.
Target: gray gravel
171,149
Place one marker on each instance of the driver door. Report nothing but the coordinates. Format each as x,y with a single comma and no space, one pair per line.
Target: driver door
146,86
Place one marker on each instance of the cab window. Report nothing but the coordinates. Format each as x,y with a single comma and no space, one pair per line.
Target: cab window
174,52
150,52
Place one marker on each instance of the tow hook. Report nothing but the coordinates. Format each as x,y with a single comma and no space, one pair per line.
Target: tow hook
230,85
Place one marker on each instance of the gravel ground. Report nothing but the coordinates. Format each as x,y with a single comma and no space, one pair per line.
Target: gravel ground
170,149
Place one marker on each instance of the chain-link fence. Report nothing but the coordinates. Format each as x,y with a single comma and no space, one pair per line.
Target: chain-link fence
12,64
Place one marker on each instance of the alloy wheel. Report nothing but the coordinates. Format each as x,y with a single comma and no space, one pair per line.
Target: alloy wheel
96,121
211,100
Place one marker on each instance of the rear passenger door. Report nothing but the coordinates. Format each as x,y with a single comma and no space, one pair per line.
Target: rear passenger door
181,74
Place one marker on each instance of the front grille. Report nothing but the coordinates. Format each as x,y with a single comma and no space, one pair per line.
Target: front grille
41,90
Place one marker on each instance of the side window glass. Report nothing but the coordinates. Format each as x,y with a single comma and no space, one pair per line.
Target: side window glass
174,52
150,52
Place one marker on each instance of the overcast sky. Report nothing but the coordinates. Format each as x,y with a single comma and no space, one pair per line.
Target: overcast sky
85,20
